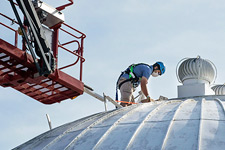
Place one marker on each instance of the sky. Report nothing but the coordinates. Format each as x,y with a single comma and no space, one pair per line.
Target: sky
119,33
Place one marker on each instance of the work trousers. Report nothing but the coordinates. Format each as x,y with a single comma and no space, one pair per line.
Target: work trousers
126,90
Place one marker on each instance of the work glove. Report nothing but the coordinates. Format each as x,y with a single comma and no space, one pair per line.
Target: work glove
147,100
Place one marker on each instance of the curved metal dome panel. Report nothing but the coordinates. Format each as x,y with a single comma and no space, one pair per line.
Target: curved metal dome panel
196,68
173,124
219,89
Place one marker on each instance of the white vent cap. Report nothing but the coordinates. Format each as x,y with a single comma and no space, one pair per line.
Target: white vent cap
196,70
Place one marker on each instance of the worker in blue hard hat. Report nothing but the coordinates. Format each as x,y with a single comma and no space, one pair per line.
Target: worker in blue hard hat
135,75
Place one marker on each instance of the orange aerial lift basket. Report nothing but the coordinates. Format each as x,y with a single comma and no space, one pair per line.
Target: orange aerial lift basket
33,69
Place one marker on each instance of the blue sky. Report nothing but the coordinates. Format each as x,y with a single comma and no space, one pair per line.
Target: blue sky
120,33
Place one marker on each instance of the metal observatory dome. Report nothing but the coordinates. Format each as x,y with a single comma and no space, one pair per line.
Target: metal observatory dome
196,123
189,122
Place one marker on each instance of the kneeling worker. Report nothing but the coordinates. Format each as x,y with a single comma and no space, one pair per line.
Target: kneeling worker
133,76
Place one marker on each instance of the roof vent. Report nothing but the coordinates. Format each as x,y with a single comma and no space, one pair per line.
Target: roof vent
219,89
196,75
192,70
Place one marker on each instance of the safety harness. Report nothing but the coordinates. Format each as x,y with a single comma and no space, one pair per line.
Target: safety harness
132,77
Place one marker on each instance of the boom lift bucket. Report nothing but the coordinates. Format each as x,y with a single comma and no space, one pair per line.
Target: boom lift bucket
33,69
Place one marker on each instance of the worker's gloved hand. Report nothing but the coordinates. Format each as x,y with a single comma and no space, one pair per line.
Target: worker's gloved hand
147,100
152,100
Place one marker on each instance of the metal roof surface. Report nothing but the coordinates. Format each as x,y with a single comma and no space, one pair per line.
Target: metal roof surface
174,124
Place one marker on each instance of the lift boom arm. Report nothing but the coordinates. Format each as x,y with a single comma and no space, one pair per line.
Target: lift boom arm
42,49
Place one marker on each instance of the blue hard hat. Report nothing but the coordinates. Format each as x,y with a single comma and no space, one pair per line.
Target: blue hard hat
161,67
